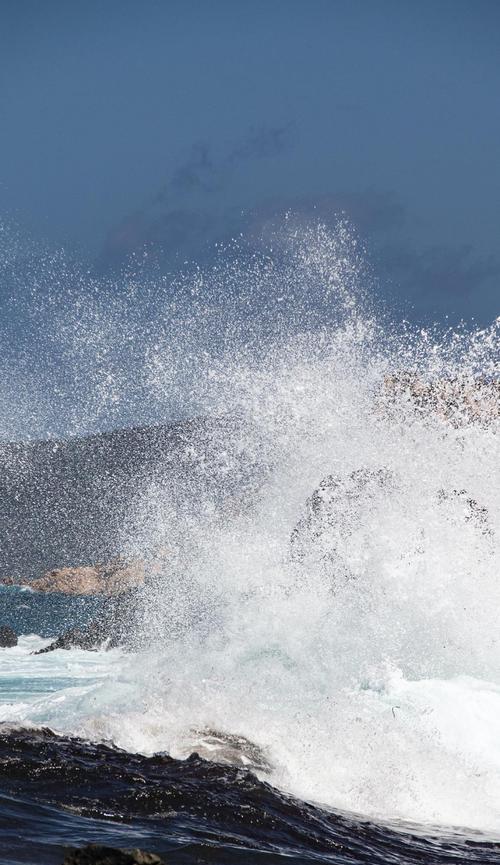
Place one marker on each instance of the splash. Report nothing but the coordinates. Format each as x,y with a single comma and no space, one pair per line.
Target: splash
330,588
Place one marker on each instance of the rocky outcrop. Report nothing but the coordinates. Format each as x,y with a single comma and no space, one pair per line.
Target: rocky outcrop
111,578
97,854
8,637
72,581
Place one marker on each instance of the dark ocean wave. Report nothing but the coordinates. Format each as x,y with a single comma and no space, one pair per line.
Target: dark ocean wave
56,792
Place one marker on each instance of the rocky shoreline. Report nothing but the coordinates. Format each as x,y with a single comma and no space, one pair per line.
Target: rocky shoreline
120,583
189,811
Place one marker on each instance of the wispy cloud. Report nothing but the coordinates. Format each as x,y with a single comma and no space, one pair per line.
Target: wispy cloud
182,212
188,217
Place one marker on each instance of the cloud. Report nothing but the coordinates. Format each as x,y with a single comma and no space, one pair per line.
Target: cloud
186,212
455,280
442,269
262,143
188,218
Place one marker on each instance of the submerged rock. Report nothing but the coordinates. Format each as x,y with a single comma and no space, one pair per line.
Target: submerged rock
8,637
97,854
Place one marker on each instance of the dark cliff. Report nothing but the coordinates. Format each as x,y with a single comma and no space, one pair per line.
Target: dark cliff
68,502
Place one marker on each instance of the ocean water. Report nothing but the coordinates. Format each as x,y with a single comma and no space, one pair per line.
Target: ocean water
329,641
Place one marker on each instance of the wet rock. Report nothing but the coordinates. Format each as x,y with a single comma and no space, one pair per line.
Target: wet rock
8,637
74,638
97,854
115,626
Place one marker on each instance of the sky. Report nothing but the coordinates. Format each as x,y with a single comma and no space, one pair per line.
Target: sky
171,126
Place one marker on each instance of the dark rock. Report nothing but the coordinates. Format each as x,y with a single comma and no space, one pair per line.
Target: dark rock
8,637
65,503
115,626
96,854
73,638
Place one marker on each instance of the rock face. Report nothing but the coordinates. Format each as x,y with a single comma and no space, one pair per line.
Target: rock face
96,854
8,637
72,581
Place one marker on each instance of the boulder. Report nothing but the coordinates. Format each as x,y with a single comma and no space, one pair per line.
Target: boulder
8,637
97,854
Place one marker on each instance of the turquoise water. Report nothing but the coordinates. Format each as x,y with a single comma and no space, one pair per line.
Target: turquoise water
46,615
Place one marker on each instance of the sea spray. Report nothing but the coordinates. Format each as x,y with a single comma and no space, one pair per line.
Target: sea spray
354,675
367,671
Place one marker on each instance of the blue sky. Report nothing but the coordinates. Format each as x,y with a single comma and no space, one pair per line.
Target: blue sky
175,124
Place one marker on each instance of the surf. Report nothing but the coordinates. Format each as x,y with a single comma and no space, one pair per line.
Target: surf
363,670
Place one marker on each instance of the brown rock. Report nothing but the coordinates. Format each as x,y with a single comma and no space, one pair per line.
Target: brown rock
119,575
459,400
15,581
70,581
111,578
108,578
